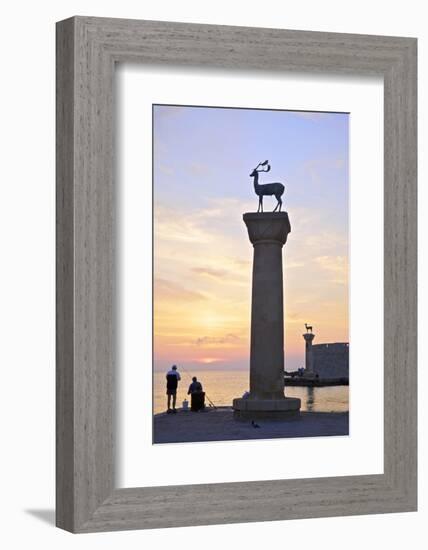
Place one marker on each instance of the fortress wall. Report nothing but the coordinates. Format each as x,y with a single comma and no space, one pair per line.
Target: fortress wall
331,360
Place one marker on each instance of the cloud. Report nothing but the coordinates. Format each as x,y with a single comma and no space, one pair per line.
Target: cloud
169,290
170,226
293,316
217,273
243,263
339,163
336,265
295,264
217,340
318,168
198,169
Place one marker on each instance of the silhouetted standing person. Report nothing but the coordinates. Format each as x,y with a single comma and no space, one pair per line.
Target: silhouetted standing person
172,379
197,395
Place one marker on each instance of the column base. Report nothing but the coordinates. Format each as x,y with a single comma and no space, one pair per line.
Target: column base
266,408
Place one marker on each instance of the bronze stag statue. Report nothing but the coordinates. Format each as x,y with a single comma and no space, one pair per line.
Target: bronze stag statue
274,188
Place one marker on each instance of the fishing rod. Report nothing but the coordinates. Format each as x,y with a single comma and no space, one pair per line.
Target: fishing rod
206,395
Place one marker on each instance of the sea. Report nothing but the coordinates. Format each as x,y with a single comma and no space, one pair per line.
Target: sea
222,386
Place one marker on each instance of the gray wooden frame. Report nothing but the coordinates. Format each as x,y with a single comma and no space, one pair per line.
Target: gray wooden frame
87,50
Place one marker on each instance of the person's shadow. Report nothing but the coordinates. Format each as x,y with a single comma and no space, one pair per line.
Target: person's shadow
43,514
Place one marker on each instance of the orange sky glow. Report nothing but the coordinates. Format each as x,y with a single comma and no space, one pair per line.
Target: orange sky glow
203,258
202,287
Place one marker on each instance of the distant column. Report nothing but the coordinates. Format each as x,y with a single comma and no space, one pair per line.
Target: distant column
309,353
268,233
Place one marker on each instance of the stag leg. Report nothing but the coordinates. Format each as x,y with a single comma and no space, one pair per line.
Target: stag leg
278,204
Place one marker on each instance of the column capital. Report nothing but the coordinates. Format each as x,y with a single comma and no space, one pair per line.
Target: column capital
271,227
308,336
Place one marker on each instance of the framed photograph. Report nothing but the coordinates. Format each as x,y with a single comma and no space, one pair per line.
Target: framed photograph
236,274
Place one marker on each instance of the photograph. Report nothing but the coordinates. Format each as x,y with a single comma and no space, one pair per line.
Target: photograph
250,273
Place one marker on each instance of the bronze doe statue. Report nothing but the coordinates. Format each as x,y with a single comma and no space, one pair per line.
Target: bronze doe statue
275,188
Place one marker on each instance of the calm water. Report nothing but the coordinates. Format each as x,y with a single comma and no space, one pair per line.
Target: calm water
222,386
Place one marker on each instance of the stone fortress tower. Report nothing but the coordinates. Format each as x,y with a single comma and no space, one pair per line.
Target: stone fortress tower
330,360
309,355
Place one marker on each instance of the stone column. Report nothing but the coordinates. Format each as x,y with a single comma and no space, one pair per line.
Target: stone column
309,354
268,233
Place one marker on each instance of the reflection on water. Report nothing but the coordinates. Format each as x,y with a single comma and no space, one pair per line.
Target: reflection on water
328,399
310,400
221,386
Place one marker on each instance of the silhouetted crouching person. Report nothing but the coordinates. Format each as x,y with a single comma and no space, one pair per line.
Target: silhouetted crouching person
172,378
197,395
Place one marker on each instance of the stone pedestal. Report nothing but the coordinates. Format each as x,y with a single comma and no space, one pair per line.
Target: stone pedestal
309,355
268,233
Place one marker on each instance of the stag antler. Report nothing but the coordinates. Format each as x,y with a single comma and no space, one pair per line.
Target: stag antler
266,162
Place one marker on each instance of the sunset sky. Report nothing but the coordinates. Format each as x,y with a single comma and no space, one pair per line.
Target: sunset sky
202,255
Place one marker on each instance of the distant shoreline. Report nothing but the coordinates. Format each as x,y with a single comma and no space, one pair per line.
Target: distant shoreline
295,381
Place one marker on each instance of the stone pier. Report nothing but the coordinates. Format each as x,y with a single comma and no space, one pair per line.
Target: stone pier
268,233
